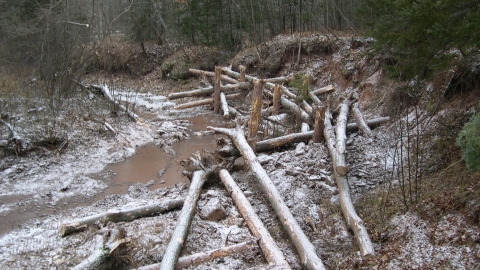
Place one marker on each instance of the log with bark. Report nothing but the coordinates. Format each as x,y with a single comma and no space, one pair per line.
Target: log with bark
106,93
341,139
119,215
307,108
269,247
280,79
296,110
277,95
212,74
327,89
255,113
216,90
209,90
203,102
318,126
348,210
303,245
315,99
179,235
360,120
203,257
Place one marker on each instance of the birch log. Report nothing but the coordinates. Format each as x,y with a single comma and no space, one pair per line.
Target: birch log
315,99
307,108
267,244
360,120
296,110
280,79
224,105
341,139
304,247
179,235
119,215
327,89
348,210
106,92
212,74
203,102
208,90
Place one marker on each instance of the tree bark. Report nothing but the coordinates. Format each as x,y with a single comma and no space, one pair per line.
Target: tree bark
341,139
203,102
348,210
360,120
267,244
304,247
119,215
242,73
319,125
212,74
307,108
184,220
216,91
16,139
277,95
198,258
327,89
297,110
106,94
223,102
255,113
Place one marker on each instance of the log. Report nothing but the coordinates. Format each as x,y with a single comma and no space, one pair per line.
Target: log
242,70
341,139
373,123
348,210
269,247
203,102
223,102
216,91
296,110
208,90
327,89
319,125
248,78
303,245
14,137
106,93
307,108
255,113
315,99
360,120
203,257
305,127
119,215
277,95
212,74
280,79
184,220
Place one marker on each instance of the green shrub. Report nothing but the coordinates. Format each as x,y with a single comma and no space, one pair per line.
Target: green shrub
301,83
469,141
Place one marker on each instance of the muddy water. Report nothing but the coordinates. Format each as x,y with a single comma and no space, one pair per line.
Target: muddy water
141,168
152,163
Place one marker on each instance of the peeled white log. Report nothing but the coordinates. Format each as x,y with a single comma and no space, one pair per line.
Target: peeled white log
106,92
305,127
119,215
280,79
267,244
184,220
223,102
208,90
315,99
203,102
348,210
324,90
304,247
360,120
212,74
307,108
297,110
341,139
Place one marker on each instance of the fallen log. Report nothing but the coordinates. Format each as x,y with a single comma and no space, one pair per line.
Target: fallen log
269,247
223,102
348,210
327,89
318,126
251,79
208,90
203,102
119,215
179,235
307,108
14,137
303,245
198,258
315,99
341,139
106,93
360,120
212,74
280,79
296,110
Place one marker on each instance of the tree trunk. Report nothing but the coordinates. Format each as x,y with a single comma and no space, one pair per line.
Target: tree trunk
277,142
255,113
327,89
208,90
267,244
106,94
341,139
203,102
223,102
304,247
242,73
216,91
296,110
348,210
212,74
319,125
307,108
279,79
360,120
277,95
198,258
184,220
119,215
371,123
315,99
